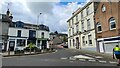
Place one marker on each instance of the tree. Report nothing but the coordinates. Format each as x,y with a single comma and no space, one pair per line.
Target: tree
65,39
31,46
56,32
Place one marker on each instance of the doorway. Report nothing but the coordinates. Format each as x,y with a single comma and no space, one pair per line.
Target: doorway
11,45
77,43
101,46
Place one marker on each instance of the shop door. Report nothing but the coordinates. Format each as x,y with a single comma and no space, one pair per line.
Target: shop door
11,45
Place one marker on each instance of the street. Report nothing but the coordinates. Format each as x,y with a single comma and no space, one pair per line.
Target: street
59,58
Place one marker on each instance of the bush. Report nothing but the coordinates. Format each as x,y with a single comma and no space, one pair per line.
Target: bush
30,46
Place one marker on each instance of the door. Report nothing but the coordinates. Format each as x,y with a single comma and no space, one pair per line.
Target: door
77,43
44,44
101,47
11,45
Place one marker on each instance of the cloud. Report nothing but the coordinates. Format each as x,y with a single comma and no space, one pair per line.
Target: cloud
53,15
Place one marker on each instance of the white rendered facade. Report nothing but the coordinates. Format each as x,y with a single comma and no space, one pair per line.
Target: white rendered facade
84,28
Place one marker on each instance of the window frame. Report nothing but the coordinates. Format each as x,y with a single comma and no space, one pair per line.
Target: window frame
83,40
19,34
87,11
83,27
90,39
99,25
103,8
88,24
111,23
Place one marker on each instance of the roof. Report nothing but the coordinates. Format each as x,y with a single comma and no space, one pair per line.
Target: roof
56,41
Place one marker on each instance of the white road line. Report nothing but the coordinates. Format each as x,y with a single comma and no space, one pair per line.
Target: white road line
71,58
92,60
82,59
63,58
112,62
103,61
98,57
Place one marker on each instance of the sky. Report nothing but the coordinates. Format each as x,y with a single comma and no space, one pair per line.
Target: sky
55,13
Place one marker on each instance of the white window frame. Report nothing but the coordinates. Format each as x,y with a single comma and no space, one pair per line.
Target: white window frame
90,39
87,11
82,14
77,18
113,21
82,26
103,8
99,25
83,40
88,24
77,28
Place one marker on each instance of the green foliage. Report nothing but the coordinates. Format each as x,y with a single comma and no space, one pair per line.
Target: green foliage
65,39
31,45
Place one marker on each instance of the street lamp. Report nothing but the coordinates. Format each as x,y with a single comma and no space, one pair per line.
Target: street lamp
37,27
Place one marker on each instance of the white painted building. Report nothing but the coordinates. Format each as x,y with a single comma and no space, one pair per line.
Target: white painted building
20,35
81,28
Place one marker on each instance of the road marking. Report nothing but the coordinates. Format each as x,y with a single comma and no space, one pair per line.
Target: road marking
92,60
71,58
98,57
112,62
82,59
103,61
63,58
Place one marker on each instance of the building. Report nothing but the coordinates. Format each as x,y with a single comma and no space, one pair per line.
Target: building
107,20
58,39
20,34
61,36
5,21
81,28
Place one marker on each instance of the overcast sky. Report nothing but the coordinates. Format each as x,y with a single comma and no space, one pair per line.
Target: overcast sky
55,13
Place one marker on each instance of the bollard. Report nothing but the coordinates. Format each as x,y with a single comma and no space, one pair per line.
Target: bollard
34,51
8,51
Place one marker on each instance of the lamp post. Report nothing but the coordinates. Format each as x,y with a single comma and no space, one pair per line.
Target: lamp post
37,27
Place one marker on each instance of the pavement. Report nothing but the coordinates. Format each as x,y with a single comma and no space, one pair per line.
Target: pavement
5,54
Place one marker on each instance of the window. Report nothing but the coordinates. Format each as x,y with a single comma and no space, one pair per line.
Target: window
69,24
73,30
90,39
81,14
83,39
76,18
42,35
32,34
19,33
99,28
72,21
88,24
20,42
73,42
77,28
103,8
82,25
112,23
69,32
87,11
70,43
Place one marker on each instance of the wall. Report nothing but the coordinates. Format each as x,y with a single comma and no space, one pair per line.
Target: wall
13,32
